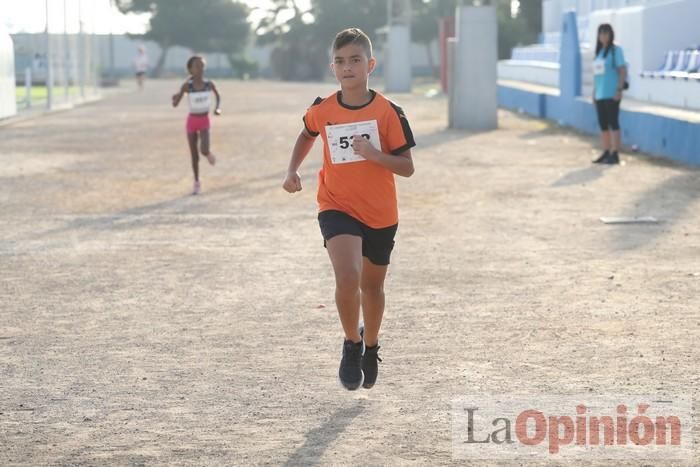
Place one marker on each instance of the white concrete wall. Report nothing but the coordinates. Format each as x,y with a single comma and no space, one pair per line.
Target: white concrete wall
630,34
645,29
553,9
672,26
676,93
125,50
646,33
546,74
8,104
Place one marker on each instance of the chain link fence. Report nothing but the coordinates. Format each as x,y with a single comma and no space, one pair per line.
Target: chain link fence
61,66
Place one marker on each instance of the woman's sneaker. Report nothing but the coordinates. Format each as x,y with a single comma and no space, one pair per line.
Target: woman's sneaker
610,158
350,371
613,158
196,188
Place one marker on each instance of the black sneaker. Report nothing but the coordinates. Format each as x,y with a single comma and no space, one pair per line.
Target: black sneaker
369,363
603,157
369,366
350,371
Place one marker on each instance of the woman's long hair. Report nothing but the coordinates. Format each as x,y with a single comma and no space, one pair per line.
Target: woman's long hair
605,27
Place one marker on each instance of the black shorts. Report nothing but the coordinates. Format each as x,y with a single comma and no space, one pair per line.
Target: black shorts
608,114
376,243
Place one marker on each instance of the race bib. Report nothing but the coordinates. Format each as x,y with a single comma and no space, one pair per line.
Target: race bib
599,67
340,140
200,101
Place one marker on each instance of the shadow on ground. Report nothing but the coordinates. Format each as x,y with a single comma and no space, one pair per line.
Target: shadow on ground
321,437
668,201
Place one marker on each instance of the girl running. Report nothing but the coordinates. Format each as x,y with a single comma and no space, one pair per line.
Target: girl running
199,92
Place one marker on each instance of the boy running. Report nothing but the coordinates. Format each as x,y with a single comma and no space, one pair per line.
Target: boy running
367,139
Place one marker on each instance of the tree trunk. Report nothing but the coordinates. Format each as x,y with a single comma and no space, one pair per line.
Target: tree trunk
231,59
431,59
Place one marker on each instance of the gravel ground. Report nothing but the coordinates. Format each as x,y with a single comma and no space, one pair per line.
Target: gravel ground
141,325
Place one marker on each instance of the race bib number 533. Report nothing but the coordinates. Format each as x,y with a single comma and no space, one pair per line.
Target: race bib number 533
340,140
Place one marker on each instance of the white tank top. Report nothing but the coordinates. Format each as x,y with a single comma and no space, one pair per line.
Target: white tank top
200,101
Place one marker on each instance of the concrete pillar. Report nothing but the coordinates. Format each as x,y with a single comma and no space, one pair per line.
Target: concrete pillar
473,77
569,58
451,51
397,60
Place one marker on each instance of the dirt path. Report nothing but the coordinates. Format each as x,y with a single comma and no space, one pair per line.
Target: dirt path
141,325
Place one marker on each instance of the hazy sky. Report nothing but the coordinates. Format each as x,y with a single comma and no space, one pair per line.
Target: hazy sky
97,16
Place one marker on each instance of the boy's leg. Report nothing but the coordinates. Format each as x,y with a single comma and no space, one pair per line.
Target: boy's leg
376,253
192,141
345,252
204,148
372,286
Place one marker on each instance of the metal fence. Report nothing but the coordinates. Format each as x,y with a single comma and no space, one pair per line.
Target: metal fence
61,66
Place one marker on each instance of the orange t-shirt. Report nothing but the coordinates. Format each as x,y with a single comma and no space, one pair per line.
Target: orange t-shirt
362,189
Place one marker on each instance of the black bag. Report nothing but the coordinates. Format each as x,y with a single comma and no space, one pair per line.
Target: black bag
627,84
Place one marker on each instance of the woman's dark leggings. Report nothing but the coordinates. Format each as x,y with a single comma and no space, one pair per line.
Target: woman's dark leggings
608,114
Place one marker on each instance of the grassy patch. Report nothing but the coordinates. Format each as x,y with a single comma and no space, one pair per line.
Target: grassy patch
39,93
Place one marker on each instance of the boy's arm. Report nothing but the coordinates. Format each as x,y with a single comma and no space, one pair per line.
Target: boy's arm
305,142
178,95
400,164
217,110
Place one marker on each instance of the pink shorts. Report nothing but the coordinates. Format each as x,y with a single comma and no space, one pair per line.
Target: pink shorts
197,123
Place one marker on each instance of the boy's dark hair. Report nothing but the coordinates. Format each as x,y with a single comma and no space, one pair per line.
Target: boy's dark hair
353,36
191,60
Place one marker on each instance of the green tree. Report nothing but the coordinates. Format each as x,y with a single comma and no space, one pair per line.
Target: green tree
522,29
531,12
223,28
426,22
302,42
205,25
332,16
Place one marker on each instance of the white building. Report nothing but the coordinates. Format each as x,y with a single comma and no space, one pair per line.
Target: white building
646,30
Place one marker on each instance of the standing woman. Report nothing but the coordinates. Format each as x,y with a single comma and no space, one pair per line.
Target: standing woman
610,74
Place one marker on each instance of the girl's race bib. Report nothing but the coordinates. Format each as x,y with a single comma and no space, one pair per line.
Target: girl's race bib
200,101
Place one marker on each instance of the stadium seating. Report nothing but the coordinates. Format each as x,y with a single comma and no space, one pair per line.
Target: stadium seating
691,67
536,53
669,62
678,64
681,65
